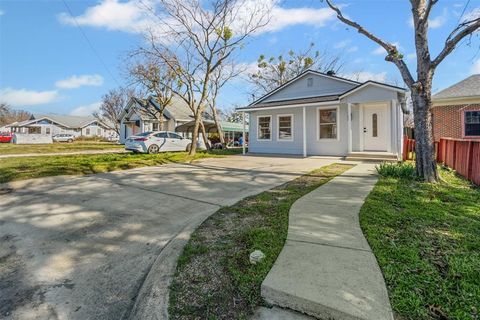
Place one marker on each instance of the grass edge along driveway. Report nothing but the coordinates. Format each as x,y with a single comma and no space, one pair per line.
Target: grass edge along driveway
214,279
426,238
21,168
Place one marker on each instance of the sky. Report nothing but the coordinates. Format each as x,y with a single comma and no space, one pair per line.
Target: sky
62,56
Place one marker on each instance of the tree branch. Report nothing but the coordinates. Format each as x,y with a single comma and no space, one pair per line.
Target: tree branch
460,32
393,54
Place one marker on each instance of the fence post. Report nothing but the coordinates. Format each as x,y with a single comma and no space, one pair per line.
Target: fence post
454,155
469,160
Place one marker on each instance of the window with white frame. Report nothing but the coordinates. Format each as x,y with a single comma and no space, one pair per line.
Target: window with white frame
87,131
327,123
264,128
285,127
472,123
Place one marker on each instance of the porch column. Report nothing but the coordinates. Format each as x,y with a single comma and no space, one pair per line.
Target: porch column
243,133
304,128
349,126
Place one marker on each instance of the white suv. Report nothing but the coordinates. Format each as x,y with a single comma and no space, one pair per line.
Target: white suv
63,137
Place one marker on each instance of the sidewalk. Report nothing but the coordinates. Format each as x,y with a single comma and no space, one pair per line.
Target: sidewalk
326,268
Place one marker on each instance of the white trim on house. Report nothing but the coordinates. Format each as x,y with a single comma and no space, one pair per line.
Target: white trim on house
270,126
324,103
337,119
292,127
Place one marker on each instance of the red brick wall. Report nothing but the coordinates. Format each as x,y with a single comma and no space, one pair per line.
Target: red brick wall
447,120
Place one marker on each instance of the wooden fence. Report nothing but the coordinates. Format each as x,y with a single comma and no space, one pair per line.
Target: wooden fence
462,156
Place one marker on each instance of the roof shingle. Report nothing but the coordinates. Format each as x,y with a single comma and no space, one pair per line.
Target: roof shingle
468,87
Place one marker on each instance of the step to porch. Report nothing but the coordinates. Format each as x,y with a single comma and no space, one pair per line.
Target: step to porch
371,156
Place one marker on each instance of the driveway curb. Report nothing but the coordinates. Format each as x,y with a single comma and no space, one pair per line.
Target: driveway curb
152,300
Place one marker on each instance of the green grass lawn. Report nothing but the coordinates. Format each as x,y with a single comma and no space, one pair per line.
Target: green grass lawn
10,148
214,278
20,168
426,238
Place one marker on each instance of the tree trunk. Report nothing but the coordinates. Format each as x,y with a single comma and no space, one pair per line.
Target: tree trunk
204,134
219,127
196,127
426,165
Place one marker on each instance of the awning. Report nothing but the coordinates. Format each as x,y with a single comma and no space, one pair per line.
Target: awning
210,126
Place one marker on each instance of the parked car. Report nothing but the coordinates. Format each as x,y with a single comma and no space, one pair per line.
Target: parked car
158,141
5,137
63,137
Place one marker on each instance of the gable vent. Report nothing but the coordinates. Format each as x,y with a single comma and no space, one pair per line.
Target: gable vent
309,82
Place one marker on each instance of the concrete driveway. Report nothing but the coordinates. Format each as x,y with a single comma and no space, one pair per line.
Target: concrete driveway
81,247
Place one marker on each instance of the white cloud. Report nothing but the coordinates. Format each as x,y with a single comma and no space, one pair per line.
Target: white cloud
380,50
411,56
474,14
476,67
86,110
24,97
434,23
438,21
341,44
79,81
365,76
134,17
352,49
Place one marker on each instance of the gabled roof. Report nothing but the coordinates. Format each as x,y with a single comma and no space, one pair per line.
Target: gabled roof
317,99
306,72
148,109
469,87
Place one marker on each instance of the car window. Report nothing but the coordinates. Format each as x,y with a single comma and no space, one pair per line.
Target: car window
174,135
161,135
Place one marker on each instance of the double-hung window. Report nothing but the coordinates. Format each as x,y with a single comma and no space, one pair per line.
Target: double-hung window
285,127
472,123
327,123
264,127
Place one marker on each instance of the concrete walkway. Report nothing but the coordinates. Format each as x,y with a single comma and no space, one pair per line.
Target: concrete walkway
327,268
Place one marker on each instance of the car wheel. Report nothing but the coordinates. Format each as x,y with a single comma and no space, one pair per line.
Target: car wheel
70,141
153,149
189,146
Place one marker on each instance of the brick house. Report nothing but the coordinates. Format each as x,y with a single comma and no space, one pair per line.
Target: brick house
456,110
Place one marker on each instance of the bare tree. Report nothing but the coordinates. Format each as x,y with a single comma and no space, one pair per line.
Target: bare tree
220,77
113,104
421,85
276,71
200,37
9,115
157,78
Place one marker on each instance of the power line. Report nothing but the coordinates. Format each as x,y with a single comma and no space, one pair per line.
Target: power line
90,43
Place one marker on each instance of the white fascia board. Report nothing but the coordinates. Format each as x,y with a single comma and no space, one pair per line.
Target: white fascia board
366,84
326,103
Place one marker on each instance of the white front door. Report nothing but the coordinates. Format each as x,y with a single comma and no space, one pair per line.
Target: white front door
375,127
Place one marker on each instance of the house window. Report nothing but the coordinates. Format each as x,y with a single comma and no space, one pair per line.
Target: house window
328,123
285,127
472,123
155,126
34,130
264,127
99,132
47,130
87,132
374,125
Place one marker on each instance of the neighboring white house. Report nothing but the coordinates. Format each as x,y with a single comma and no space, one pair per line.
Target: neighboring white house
56,124
322,114
142,115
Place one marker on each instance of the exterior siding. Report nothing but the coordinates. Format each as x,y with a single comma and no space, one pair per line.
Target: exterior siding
321,86
276,146
447,120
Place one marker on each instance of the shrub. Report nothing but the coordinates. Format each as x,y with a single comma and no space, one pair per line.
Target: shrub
401,170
